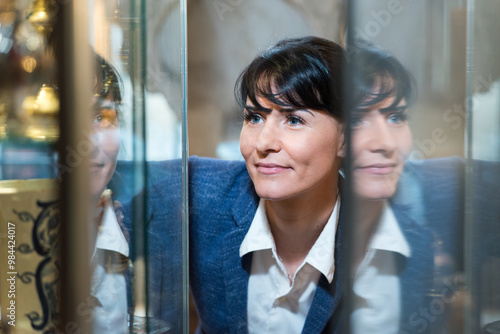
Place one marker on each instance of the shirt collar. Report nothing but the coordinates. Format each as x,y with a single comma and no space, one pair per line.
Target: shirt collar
110,236
388,235
322,254
259,235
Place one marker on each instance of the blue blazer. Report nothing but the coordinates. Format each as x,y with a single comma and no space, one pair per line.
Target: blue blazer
223,203
429,209
158,212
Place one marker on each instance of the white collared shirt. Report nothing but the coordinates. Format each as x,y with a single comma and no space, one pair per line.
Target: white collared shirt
377,304
273,305
110,288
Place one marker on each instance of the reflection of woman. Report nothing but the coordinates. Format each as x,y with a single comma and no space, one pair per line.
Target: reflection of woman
395,233
381,137
105,129
110,259
263,235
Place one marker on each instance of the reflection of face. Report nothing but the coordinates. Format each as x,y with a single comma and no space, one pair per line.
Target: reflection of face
105,144
289,152
381,141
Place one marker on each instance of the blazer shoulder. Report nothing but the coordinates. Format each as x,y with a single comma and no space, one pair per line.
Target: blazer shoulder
222,190
211,171
215,166
436,167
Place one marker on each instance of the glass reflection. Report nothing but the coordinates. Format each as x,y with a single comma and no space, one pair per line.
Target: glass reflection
111,249
407,214
483,178
144,40
451,49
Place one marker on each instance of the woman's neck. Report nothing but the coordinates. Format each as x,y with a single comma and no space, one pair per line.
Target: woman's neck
366,220
296,225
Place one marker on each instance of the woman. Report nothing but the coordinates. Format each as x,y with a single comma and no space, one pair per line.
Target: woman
263,233
381,138
105,130
110,259
402,208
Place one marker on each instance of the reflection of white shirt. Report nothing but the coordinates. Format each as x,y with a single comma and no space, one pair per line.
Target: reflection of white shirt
377,304
273,305
110,288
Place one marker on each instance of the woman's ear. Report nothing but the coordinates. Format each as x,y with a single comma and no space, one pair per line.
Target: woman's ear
341,149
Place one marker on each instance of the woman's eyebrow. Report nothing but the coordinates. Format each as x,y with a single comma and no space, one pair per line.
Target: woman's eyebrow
104,106
104,103
256,109
292,109
382,110
252,108
392,109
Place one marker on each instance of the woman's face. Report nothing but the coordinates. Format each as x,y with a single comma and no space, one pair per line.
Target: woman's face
105,146
290,152
381,142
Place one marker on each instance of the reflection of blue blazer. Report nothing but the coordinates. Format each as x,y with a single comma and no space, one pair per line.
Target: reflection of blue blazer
223,203
429,209
163,225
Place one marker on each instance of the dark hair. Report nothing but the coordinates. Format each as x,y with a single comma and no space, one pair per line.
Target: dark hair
108,83
299,72
372,66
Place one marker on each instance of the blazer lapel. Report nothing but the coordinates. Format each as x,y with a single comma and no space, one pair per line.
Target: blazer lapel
416,271
236,269
326,304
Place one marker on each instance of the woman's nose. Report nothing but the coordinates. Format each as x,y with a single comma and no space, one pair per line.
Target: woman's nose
382,139
96,141
268,138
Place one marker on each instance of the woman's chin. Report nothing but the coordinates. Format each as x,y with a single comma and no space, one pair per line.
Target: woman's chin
97,186
377,194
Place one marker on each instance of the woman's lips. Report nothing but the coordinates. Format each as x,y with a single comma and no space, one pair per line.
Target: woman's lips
270,169
378,169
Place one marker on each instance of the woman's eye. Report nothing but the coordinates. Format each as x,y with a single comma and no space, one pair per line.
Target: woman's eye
252,118
105,118
397,118
295,120
356,121
98,118
256,118
100,121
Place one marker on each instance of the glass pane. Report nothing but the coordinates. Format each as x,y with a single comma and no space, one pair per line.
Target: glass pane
144,42
483,143
407,109
224,38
